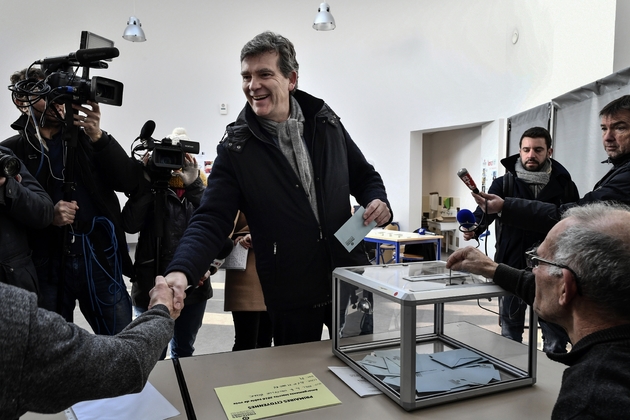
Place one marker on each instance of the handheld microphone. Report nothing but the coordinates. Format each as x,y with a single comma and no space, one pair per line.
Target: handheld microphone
221,256
465,176
466,219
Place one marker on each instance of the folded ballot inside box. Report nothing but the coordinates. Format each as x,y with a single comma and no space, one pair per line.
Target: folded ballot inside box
237,260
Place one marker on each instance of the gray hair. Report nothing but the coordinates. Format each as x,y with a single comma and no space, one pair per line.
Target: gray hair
272,42
597,248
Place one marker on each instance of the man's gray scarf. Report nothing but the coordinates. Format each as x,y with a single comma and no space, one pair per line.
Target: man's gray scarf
536,180
289,134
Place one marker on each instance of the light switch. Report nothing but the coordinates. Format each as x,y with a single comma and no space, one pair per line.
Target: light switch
223,109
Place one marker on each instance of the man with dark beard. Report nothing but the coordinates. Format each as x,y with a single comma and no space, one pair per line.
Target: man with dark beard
532,175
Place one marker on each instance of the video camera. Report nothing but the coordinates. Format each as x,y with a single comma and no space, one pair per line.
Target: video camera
63,84
166,154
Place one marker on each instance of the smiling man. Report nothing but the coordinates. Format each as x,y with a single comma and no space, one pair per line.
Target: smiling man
533,175
614,186
580,282
288,164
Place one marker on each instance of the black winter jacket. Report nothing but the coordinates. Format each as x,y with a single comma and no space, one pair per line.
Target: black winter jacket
535,215
295,254
139,216
514,240
103,166
24,205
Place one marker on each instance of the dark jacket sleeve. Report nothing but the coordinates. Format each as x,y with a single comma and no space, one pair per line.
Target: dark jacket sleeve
62,364
194,192
115,167
26,201
212,222
541,217
519,282
137,208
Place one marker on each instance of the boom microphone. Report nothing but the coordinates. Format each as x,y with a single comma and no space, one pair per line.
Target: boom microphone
221,256
89,55
465,176
147,130
82,57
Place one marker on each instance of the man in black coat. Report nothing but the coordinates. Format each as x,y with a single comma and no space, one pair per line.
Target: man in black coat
84,248
531,174
24,205
289,164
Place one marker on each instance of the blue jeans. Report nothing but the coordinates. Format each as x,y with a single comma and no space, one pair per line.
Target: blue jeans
186,328
103,300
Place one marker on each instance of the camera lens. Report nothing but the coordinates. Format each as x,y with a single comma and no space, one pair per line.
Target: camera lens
9,165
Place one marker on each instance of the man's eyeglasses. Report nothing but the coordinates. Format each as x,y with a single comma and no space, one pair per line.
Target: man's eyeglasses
533,261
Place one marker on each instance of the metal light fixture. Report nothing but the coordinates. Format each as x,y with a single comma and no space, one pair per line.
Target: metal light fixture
324,21
134,32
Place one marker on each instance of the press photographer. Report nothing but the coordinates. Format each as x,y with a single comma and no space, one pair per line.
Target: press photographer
160,212
83,254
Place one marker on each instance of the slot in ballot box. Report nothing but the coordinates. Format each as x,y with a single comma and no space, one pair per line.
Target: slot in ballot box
408,329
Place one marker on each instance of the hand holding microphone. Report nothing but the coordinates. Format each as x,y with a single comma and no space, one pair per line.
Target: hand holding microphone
489,203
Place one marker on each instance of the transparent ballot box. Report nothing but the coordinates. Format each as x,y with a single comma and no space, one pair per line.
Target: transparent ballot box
425,335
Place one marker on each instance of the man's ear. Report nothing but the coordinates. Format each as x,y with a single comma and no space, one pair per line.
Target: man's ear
292,80
569,287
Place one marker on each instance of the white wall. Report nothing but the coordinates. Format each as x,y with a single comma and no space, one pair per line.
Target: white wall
389,69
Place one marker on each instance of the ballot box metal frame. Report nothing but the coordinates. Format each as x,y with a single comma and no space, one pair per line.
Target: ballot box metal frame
394,288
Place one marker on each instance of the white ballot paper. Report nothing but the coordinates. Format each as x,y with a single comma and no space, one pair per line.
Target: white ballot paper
355,381
352,232
149,404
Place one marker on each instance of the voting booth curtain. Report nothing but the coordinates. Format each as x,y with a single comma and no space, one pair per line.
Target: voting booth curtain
574,123
539,116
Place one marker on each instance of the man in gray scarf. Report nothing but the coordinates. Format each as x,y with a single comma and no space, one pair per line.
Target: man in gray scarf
290,166
530,174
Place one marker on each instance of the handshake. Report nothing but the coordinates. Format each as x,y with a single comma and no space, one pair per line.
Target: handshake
163,294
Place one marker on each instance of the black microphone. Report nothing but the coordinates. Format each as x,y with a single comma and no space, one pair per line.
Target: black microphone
465,176
89,55
82,57
147,130
55,60
221,256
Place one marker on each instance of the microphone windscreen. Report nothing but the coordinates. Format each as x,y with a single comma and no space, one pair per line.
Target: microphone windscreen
466,218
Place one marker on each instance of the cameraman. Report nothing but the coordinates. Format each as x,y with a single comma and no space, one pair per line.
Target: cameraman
23,204
96,253
181,191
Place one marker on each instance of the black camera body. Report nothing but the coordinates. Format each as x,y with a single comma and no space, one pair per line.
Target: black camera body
166,155
97,89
